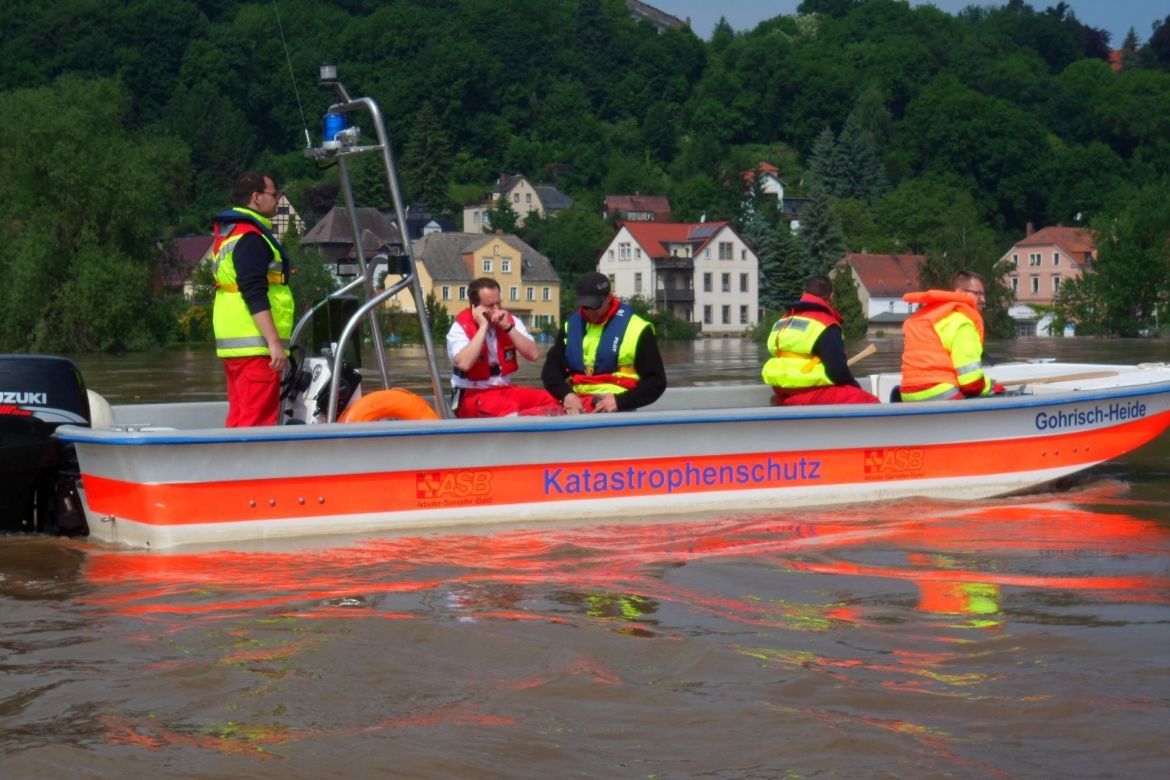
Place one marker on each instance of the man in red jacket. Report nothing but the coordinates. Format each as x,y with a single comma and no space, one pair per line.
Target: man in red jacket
483,344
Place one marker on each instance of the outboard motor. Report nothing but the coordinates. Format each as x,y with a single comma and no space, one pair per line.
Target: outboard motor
38,489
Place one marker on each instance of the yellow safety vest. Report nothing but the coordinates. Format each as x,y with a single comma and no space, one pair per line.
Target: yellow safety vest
236,333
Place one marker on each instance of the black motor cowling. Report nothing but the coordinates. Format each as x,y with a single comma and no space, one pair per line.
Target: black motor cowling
38,492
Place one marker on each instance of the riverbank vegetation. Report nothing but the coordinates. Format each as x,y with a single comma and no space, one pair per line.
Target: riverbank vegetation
908,129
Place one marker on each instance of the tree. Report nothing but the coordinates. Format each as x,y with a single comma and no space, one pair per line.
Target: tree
83,202
1130,280
501,217
820,231
848,303
426,162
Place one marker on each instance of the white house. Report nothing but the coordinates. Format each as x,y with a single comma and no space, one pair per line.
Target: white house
524,197
703,272
882,280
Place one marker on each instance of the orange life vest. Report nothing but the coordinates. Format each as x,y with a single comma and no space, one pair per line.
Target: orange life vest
925,361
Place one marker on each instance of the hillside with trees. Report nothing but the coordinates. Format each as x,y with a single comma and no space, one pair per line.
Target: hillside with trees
911,130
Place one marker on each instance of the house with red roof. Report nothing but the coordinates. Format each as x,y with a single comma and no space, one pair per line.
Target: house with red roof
1039,264
882,280
702,272
636,208
1045,259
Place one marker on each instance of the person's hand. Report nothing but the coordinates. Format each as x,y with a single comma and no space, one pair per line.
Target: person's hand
279,361
572,404
604,403
480,315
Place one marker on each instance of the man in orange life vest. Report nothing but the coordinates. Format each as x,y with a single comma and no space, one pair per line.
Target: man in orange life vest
942,358
253,311
605,358
808,364
482,345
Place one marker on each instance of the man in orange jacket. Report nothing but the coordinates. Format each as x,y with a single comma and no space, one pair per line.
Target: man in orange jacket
942,358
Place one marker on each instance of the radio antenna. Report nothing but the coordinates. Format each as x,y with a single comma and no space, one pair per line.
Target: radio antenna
292,76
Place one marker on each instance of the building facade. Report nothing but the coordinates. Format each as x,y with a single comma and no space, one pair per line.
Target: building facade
703,273
447,262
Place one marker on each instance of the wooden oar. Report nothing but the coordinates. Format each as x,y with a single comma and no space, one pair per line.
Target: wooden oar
1059,378
862,354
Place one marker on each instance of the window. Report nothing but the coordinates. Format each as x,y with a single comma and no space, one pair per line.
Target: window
624,250
446,293
1015,259
487,266
725,251
1015,284
726,282
513,293
707,282
516,198
532,293
1034,259
637,283
744,281
547,293
743,254
462,292
707,315
743,315
528,197
1056,258
637,253
1035,280
611,254
506,265
726,315
1056,284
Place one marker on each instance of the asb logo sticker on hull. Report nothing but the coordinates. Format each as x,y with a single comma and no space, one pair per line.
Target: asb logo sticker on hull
453,488
894,463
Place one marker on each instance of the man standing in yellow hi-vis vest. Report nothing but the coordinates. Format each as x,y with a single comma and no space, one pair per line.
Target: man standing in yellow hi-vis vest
253,313
605,358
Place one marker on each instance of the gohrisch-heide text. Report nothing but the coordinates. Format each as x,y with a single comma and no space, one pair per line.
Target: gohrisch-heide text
1075,418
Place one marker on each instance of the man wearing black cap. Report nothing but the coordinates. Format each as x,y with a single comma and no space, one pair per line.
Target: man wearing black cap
606,358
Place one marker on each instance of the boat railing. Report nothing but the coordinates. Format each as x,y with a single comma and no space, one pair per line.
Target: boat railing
340,140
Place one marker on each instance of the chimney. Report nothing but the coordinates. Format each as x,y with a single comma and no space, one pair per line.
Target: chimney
1029,229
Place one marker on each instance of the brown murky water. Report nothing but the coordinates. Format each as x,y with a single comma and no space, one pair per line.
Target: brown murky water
1012,638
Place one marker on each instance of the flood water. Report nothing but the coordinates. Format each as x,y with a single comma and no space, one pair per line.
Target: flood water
1010,638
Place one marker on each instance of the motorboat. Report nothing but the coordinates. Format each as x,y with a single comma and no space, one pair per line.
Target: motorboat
163,475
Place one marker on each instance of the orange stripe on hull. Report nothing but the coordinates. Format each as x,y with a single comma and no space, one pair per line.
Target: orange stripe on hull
177,504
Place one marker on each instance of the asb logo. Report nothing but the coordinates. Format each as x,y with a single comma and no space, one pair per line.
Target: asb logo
894,462
438,485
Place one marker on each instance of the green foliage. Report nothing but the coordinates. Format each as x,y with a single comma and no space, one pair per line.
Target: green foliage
502,217
128,121
569,238
426,163
820,231
82,200
1125,290
847,302
667,327
437,317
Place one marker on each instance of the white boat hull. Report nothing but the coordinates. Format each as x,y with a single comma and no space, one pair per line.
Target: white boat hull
196,484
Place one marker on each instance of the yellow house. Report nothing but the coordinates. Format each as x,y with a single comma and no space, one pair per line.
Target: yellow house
447,262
